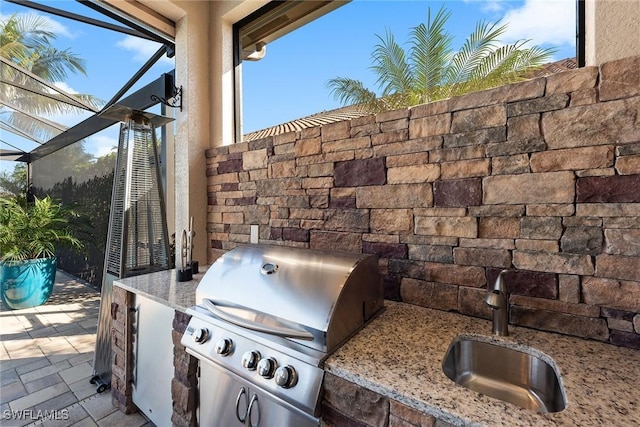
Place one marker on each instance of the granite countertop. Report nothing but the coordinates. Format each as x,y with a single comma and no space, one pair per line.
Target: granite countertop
399,355
163,287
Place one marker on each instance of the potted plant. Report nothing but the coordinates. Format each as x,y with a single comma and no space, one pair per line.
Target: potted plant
29,233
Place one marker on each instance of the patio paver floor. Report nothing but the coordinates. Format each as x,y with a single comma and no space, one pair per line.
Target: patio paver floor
46,361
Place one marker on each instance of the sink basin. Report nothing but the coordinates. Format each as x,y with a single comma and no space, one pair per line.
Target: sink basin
504,373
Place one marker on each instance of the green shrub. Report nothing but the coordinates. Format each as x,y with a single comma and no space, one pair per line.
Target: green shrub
32,230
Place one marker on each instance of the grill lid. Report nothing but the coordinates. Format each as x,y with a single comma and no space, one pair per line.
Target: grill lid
317,298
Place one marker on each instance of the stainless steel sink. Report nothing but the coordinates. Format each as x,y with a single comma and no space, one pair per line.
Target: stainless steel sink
504,373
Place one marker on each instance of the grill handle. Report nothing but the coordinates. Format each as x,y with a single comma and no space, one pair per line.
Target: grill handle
242,418
281,331
253,404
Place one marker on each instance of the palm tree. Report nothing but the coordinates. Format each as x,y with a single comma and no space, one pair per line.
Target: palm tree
431,70
26,52
14,183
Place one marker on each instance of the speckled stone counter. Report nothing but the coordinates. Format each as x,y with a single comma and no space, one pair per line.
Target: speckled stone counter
399,355
164,288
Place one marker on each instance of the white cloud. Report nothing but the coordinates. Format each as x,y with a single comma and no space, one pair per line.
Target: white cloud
493,6
65,87
489,6
51,24
99,145
67,119
59,29
72,117
543,22
142,49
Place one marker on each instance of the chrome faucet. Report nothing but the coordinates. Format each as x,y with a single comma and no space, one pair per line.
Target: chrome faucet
498,300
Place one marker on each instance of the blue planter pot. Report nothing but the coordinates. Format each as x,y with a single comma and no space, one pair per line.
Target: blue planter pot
27,283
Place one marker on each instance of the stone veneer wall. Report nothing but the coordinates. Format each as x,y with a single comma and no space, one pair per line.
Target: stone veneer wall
347,404
184,385
540,177
122,336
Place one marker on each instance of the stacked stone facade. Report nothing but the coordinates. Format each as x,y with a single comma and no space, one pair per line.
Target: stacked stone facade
540,177
347,404
184,385
122,336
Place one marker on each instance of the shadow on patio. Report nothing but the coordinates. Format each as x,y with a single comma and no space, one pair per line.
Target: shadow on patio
46,362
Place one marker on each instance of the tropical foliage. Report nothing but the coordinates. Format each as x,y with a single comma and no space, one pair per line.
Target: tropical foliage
26,46
15,182
32,230
92,196
430,70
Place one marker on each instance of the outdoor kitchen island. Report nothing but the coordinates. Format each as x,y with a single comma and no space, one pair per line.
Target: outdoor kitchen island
391,371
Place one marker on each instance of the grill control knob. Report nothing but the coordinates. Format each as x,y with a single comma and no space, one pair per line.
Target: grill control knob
267,367
200,335
250,359
224,347
286,376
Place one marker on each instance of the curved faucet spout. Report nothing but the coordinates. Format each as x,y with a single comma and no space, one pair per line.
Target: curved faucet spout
498,300
495,299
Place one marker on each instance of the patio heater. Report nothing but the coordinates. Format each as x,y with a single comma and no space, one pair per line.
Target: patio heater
137,240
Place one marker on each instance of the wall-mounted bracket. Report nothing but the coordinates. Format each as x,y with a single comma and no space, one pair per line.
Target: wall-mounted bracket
173,101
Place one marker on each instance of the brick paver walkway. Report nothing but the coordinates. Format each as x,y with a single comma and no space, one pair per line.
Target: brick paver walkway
46,361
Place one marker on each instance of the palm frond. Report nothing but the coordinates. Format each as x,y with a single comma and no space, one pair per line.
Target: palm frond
350,91
41,131
35,30
48,105
34,230
532,59
475,49
507,64
13,50
53,65
430,52
431,70
21,34
488,73
26,40
391,67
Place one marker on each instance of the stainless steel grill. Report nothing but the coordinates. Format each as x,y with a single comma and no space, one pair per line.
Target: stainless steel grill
266,319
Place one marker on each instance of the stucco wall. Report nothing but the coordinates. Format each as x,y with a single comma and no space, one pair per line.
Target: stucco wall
612,29
204,70
539,177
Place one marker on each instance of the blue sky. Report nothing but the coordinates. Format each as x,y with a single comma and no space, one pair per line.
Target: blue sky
290,82
111,59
